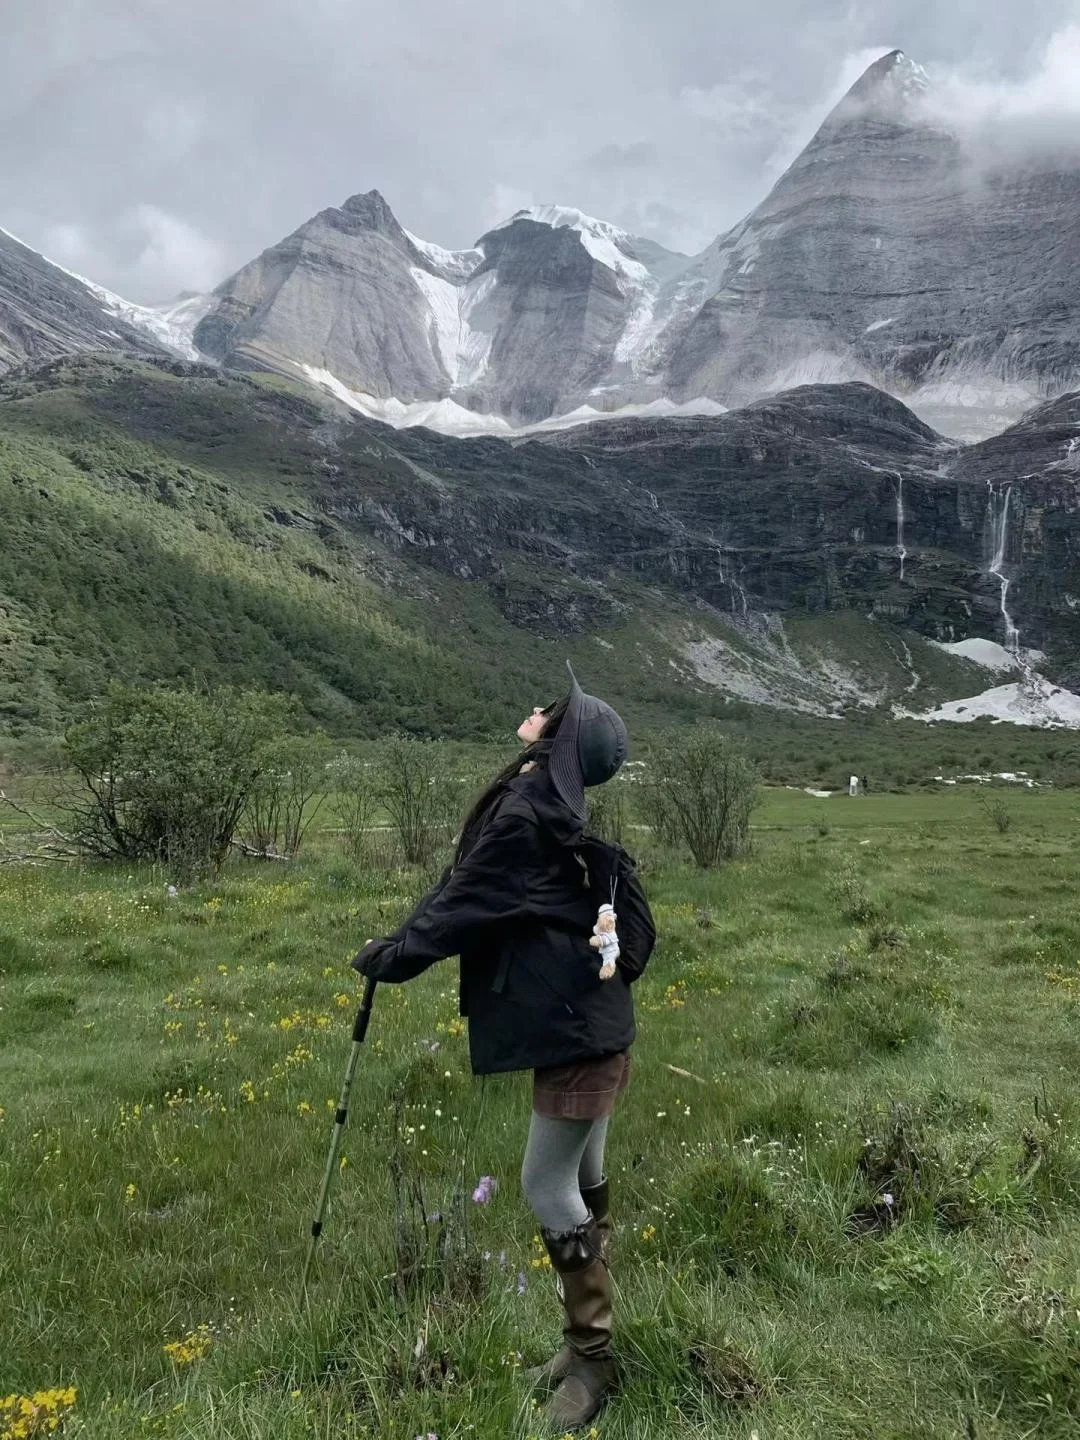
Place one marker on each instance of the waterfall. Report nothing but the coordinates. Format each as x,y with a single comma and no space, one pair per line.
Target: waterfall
736,589
900,551
999,537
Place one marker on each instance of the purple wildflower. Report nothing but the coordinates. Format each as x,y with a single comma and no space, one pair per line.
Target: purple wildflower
485,1190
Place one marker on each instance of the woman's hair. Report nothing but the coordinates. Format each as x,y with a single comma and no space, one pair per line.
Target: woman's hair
537,753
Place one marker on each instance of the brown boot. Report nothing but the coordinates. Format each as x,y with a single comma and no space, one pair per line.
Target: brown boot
597,1200
577,1259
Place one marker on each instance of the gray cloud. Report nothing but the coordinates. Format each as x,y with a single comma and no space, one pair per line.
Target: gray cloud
160,146
639,154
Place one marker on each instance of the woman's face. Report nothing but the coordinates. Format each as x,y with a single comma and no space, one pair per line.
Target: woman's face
532,729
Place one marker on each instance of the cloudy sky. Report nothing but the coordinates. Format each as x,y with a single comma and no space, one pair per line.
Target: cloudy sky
157,145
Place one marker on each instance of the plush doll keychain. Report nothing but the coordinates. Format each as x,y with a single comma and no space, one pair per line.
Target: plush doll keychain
606,940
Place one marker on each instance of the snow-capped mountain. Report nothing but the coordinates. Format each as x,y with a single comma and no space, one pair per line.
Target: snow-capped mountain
46,311
890,253
883,254
541,314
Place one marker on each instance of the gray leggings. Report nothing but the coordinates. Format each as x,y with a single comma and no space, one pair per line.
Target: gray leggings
562,1158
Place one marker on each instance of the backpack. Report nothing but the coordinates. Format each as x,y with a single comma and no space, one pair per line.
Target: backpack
614,880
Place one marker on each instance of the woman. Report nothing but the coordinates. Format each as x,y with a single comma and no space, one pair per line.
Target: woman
518,908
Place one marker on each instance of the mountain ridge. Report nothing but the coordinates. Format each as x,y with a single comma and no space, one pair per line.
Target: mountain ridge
875,258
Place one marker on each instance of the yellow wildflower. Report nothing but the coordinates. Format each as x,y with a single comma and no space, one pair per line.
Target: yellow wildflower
25,1416
195,1345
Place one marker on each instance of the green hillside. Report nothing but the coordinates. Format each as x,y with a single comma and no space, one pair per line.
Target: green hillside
134,554
164,523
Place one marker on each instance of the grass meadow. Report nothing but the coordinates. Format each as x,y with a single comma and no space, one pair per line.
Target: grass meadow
846,1176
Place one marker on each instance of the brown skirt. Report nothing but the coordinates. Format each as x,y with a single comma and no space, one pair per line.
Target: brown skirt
586,1090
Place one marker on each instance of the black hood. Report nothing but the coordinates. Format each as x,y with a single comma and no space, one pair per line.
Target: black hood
551,809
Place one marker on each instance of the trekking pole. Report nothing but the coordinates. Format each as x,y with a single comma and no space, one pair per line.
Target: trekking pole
340,1116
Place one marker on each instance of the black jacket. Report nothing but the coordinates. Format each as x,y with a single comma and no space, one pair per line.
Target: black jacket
518,911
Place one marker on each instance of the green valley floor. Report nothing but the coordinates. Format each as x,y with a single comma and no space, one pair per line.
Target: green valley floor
846,1176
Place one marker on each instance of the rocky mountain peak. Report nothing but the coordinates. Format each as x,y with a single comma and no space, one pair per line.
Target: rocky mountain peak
368,211
892,88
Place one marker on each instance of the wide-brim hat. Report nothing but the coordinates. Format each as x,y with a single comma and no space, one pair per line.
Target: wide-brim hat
589,748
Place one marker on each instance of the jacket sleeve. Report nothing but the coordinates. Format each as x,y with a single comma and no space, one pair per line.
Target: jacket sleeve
488,889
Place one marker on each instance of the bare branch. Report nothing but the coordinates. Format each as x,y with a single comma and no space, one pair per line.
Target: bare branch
42,825
256,854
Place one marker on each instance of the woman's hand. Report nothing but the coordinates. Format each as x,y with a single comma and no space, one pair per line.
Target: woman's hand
358,960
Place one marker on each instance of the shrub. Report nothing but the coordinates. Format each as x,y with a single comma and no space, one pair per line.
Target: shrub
419,796
699,791
608,811
166,774
855,904
996,811
288,793
356,784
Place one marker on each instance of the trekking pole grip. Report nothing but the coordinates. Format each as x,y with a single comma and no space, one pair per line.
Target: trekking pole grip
363,1015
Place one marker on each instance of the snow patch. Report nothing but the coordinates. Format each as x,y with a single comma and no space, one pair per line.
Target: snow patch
1010,777
1033,701
589,414
450,418
462,349
983,652
880,324
171,325
449,264
446,416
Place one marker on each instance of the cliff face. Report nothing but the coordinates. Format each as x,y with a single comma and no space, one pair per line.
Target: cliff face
825,498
